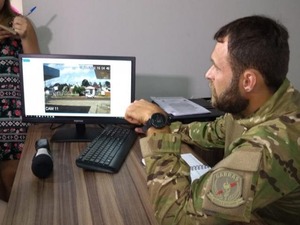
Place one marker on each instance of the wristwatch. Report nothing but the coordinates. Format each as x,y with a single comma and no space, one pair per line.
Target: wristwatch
157,120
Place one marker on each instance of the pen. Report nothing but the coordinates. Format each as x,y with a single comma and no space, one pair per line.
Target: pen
31,11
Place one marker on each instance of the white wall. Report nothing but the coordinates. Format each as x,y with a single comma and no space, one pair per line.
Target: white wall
171,39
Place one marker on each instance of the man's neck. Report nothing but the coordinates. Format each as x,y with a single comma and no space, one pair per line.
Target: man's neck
256,100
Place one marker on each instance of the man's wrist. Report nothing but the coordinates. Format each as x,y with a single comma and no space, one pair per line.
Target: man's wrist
157,121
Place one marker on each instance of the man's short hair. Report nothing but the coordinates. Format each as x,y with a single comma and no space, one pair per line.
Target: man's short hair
259,43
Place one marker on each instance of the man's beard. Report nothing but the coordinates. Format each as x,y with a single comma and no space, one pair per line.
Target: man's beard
231,100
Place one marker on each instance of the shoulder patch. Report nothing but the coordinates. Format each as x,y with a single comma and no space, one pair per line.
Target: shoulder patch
226,190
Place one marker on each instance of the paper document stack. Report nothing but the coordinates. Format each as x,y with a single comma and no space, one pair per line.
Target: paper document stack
179,106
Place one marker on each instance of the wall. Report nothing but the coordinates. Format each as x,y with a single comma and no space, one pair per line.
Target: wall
171,39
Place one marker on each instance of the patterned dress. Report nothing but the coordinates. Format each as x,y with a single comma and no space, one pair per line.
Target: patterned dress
12,129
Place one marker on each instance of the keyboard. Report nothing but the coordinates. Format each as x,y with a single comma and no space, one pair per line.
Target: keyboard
108,151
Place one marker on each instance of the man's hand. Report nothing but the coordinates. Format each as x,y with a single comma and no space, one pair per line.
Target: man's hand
140,111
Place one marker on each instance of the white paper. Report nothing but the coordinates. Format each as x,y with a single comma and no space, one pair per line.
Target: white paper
179,106
197,167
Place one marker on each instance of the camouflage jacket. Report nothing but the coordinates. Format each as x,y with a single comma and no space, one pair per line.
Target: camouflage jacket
259,173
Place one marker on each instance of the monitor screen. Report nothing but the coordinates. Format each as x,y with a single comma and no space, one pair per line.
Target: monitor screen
76,89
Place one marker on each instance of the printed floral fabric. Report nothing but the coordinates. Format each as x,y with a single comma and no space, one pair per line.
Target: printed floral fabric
12,129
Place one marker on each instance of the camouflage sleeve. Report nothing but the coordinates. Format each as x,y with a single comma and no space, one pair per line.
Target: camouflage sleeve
177,203
168,180
221,196
202,134
278,174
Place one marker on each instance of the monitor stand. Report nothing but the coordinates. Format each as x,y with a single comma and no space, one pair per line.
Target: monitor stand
78,133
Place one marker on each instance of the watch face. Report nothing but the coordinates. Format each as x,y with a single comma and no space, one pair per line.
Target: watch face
158,120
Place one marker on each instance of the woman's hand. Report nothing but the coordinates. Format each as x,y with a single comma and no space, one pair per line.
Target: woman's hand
26,32
4,34
22,26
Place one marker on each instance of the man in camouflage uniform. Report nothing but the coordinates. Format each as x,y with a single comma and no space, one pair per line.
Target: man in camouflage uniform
259,134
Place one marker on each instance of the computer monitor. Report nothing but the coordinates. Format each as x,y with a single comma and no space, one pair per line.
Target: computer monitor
76,89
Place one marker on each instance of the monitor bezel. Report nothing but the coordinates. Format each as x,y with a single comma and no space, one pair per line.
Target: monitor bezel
76,119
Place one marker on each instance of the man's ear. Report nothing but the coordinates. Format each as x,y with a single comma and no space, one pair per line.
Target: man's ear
249,79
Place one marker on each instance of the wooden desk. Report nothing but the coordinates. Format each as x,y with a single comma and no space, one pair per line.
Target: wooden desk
74,196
